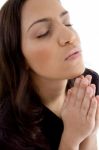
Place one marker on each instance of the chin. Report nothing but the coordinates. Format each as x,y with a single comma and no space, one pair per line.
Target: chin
76,72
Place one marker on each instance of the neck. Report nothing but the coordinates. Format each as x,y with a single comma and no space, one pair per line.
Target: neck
52,93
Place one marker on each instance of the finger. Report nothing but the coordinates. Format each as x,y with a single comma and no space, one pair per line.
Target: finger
97,112
74,91
94,88
89,77
67,98
81,92
92,110
97,97
77,82
86,101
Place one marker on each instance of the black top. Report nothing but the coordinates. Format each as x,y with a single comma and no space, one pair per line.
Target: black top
53,125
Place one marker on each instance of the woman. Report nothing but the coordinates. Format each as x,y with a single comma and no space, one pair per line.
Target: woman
48,100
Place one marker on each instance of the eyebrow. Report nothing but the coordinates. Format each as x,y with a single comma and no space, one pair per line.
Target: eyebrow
46,19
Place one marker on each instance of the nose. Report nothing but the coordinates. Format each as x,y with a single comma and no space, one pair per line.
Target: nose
68,36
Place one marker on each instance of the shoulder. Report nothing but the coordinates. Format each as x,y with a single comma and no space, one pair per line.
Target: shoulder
95,78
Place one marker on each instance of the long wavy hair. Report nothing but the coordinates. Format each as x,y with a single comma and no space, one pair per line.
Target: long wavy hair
20,110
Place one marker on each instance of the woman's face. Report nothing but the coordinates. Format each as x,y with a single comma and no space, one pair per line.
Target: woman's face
48,39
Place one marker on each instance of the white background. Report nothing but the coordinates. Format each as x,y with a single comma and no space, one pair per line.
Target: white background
85,19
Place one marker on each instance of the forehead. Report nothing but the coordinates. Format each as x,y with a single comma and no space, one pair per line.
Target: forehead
40,6
36,9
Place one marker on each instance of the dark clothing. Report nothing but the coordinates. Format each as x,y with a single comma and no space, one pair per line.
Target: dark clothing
53,125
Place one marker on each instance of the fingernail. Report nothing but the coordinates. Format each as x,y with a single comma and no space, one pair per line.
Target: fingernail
89,77
89,89
69,91
77,80
94,88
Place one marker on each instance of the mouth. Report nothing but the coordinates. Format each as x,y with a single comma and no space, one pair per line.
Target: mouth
75,53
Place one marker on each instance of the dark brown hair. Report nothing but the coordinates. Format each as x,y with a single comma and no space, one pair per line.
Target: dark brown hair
20,110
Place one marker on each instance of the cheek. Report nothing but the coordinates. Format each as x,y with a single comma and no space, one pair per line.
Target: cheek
39,58
42,55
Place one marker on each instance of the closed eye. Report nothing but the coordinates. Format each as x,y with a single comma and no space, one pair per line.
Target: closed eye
43,35
47,33
68,25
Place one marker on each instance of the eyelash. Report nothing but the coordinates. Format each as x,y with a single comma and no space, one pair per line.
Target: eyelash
45,34
69,25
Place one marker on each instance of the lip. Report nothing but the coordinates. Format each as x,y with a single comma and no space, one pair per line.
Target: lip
74,53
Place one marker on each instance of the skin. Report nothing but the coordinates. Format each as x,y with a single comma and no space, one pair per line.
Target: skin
79,115
45,59
45,56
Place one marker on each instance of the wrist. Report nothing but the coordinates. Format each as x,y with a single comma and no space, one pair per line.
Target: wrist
91,137
67,143
89,143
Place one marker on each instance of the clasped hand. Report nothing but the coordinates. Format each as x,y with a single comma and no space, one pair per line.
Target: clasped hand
80,111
